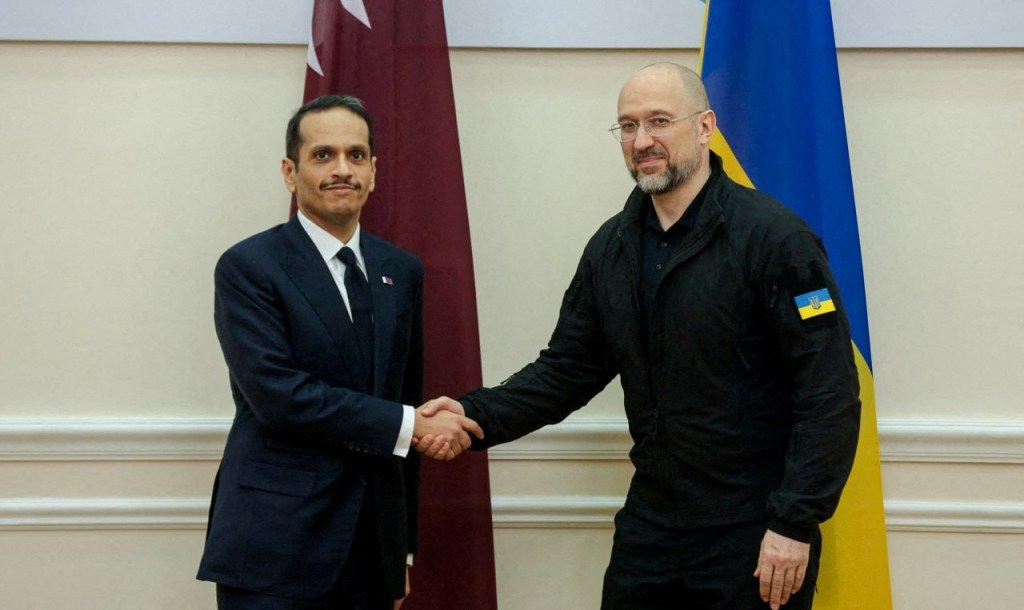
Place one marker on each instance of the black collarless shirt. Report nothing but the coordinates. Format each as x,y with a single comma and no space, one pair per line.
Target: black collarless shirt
657,248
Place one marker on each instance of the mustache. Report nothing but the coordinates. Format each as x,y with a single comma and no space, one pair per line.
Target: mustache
333,183
640,155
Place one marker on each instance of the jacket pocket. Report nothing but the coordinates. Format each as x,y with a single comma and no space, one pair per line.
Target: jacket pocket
278,479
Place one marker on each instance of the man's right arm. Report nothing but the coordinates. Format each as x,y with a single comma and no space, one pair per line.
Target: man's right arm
573,368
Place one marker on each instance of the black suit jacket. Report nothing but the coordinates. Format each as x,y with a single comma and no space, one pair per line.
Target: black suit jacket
308,443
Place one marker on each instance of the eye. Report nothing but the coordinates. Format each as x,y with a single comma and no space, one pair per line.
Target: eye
659,121
321,155
358,155
628,127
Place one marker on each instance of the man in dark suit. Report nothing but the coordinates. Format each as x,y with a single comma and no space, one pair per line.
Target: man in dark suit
314,504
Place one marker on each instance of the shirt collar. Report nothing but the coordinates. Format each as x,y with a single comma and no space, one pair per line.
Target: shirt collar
328,245
689,218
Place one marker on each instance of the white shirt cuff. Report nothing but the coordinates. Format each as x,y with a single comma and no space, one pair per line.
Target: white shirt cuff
405,434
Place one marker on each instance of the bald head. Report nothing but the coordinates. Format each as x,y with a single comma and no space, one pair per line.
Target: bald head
672,81
667,149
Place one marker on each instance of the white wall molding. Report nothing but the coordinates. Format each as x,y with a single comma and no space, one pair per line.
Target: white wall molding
531,512
112,439
951,441
510,512
580,439
899,441
958,517
38,514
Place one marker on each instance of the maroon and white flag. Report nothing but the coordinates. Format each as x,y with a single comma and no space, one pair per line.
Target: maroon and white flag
397,63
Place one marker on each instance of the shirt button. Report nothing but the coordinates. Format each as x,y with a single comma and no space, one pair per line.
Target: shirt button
658,267
663,244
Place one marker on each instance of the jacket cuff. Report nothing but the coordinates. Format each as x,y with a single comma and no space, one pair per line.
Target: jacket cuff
800,534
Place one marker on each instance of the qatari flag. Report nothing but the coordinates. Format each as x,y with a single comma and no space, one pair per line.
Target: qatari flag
397,63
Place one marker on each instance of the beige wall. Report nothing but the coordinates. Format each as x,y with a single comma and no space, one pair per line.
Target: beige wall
127,169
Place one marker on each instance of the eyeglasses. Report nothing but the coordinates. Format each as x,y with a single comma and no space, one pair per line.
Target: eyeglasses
626,131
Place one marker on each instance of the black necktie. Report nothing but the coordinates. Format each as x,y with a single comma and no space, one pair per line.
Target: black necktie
362,310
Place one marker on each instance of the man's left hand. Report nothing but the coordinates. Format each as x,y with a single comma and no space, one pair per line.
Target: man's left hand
781,567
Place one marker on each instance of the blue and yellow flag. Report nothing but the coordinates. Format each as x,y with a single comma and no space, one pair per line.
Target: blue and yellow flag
771,73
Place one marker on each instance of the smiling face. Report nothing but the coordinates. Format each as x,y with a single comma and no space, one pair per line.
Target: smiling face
334,170
659,164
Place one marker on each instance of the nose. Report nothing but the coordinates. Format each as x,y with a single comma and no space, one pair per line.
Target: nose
643,139
341,168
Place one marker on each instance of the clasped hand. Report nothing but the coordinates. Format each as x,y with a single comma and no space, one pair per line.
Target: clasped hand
442,429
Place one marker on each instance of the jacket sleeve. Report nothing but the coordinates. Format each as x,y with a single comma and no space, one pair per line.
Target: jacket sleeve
256,335
566,375
809,320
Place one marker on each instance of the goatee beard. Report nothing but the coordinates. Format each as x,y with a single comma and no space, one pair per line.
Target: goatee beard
666,181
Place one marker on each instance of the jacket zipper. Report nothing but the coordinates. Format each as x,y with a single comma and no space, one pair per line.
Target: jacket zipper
635,290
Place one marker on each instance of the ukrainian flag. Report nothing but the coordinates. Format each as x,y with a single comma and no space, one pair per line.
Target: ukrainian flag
772,76
814,304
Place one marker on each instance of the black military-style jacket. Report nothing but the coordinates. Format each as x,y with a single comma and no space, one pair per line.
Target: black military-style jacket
744,405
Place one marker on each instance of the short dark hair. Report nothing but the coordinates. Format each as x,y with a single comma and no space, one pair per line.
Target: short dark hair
293,139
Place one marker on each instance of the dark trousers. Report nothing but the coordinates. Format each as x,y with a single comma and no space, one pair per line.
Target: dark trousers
653,568
360,586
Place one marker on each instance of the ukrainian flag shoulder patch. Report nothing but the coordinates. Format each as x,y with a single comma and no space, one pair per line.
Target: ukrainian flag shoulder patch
814,303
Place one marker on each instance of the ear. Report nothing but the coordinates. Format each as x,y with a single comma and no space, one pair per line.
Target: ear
288,171
706,126
373,175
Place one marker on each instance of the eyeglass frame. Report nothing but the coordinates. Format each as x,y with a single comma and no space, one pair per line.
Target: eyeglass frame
645,123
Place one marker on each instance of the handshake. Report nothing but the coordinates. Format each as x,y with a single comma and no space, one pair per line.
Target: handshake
442,429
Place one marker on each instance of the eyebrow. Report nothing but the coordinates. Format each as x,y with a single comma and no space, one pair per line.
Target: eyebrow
653,113
314,148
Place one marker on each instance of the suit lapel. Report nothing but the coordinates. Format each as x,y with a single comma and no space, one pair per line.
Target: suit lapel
377,260
311,276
